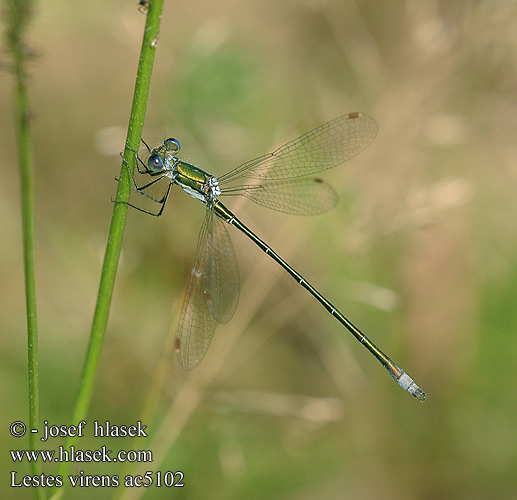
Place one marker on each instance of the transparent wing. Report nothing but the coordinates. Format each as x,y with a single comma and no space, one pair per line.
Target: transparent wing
324,147
197,325
212,292
308,196
222,276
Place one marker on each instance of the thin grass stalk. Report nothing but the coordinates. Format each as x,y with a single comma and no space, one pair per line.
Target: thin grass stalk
116,231
18,18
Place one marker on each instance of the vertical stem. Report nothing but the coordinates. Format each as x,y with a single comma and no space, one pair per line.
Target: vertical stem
27,184
19,14
116,230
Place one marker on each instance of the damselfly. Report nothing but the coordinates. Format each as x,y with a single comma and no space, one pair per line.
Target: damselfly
213,287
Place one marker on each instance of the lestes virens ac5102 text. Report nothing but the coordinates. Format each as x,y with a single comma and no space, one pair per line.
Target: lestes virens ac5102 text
213,288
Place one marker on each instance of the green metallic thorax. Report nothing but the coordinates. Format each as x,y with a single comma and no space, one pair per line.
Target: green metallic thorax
191,178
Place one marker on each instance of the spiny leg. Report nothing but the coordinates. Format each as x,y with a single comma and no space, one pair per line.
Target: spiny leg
140,189
161,202
138,161
144,172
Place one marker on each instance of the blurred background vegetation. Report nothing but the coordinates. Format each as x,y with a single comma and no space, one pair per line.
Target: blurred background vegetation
420,252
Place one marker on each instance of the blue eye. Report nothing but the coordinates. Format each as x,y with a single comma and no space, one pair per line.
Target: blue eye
155,163
172,145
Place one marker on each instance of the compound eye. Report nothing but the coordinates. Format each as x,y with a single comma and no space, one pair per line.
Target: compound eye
172,145
155,163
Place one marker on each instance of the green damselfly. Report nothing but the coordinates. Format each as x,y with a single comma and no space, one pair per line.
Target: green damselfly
213,287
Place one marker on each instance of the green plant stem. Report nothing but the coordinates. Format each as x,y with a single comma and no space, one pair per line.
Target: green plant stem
116,230
19,14
27,184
